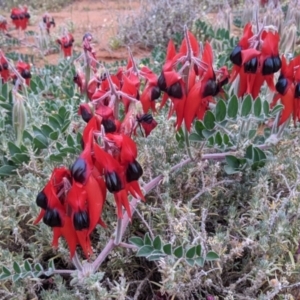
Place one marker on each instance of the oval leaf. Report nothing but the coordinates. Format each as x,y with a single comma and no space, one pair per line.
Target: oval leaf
233,106
209,120
246,106
137,241
211,255
257,107
167,249
220,111
145,251
157,244
178,252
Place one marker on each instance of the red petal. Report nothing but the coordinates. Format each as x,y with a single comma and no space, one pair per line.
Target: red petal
192,105
248,54
121,199
95,202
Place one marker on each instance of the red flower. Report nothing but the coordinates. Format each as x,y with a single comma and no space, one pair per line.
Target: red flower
147,122
255,60
48,22
24,70
203,91
20,17
66,44
288,88
4,70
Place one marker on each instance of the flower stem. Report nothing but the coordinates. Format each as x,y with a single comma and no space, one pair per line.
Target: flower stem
118,236
187,142
87,75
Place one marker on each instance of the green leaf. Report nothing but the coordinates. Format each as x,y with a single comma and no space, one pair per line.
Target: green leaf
211,141
19,158
65,126
276,109
54,122
27,266
38,267
13,149
62,112
199,261
4,276
191,252
167,248
249,152
257,107
17,268
194,137
220,111
147,239
260,153
57,157
145,251
246,106
178,252
16,277
179,135
51,264
230,170
251,134
232,161
218,139
137,241
46,130
226,139
211,256
233,106
7,170
157,243
266,107
40,142
190,261
68,150
27,135
155,255
208,133
6,271
54,135
199,127
198,250
70,141
209,120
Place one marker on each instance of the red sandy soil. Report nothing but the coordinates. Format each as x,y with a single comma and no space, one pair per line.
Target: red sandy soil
98,17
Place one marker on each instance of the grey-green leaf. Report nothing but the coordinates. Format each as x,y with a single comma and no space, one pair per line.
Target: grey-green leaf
246,106
137,241
233,106
220,111
147,240
178,252
257,107
209,120
145,251
16,267
167,248
211,255
27,266
191,252
157,243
